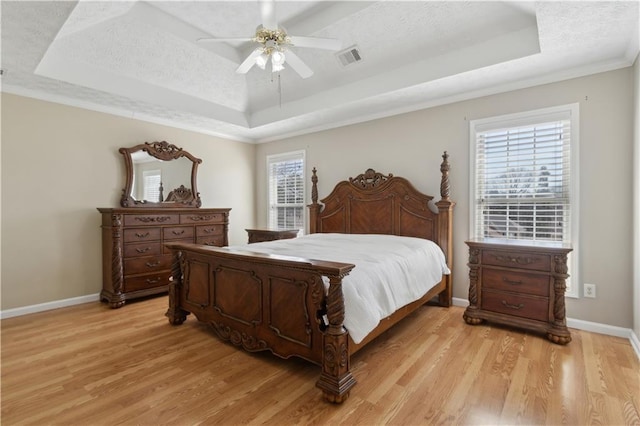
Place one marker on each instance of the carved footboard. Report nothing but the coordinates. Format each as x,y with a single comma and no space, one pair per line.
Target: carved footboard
266,302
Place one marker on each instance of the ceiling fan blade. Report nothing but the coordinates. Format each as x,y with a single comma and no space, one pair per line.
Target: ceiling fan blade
297,65
230,39
246,65
268,14
315,42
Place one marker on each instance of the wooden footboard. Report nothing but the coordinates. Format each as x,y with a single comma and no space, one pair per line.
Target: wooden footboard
283,307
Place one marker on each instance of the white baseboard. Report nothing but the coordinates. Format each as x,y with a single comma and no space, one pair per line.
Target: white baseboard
594,327
460,302
8,313
635,343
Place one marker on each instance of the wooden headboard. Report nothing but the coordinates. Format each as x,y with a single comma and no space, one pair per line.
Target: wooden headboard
374,203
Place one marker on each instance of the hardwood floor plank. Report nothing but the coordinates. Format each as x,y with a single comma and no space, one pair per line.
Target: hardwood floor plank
91,365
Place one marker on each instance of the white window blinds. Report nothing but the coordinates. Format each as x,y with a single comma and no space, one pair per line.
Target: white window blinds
523,179
286,190
151,185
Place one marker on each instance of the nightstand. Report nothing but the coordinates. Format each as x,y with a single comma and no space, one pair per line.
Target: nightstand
260,235
520,285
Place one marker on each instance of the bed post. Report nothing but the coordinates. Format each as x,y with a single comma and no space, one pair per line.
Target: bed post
175,314
445,229
336,379
314,207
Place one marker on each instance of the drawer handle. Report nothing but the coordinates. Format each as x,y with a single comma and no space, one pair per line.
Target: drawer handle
139,235
198,218
516,307
178,232
146,219
143,250
209,243
153,281
152,265
209,230
519,259
512,282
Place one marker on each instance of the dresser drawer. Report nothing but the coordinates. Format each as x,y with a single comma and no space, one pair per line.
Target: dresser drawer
214,240
524,260
209,230
178,233
141,234
515,281
147,264
144,282
167,250
201,218
142,249
531,307
151,219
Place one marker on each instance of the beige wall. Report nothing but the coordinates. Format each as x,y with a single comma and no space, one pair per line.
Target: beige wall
59,163
410,145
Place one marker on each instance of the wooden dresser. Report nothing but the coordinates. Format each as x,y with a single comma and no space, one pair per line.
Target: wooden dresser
135,262
260,235
519,285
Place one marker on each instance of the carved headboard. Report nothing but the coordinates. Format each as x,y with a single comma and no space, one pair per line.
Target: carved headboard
374,203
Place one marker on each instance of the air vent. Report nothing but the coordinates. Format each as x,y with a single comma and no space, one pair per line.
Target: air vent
349,56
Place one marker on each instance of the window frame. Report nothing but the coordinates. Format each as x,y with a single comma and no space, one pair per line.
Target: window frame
568,111
151,173
287,156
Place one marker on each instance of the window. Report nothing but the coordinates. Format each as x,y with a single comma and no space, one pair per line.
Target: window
286,190
151,181
524,178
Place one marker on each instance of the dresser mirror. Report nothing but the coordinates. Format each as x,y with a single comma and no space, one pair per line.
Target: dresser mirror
159,174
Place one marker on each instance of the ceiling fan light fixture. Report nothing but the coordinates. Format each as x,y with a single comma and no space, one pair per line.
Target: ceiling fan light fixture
276,67
277,58
262,60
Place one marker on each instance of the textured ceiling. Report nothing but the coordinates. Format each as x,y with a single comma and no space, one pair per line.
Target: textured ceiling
141,59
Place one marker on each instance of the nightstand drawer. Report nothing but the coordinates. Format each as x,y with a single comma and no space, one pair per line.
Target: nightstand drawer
524,260
518,282
536,308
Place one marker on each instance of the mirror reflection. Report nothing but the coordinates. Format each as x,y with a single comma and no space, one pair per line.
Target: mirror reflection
156,180
159,174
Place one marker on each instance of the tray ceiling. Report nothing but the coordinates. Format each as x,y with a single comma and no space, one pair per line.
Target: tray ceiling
140,59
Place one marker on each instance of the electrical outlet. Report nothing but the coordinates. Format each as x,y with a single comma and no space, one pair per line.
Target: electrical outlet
590,290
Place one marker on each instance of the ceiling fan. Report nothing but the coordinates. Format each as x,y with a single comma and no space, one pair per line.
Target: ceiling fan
274,45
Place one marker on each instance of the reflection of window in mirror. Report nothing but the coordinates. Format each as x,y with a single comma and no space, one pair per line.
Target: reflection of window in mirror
151,181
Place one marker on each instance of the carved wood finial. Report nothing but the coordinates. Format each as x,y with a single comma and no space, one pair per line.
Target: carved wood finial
314,187
370,179
444,183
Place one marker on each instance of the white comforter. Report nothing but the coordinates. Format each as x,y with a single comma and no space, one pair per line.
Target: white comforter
390,271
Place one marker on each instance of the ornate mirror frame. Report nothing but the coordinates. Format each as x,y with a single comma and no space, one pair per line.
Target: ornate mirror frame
181,197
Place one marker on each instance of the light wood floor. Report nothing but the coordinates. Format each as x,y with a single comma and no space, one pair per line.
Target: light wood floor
90,365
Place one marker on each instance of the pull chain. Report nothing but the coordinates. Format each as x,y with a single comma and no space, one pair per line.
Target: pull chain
279,89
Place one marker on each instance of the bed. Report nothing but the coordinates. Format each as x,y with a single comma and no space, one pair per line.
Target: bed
295,306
